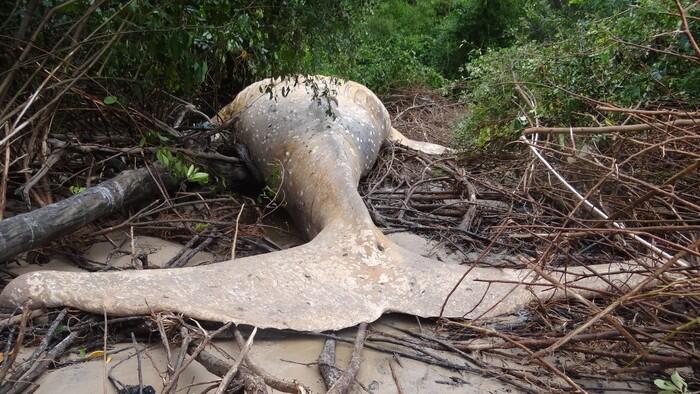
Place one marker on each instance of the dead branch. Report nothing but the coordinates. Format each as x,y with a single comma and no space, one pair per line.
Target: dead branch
342,385
611,129
326,364
37,228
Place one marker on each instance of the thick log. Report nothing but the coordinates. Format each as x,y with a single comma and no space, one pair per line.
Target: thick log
39,227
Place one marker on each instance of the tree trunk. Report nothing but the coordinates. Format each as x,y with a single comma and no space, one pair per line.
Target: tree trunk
39,227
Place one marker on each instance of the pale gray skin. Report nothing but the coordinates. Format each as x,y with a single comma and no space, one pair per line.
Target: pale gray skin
347,274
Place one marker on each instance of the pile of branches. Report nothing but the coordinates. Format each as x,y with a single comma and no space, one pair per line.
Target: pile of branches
569,196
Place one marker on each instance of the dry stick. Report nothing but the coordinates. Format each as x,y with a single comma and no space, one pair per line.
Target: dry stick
592,207
275,383
343,384
66,215
166,343
226,380
115,382
640,182
610,129
235,233
187,253
538,358
686,29
16,319
326,363
138,362
483,370
446,344
171,386
43,365
186,339
33,359
689,169
5,174
9,77
542,342
105,376
10,358
622,299
665,361
652,49
188,246
687,114
399,388
219,367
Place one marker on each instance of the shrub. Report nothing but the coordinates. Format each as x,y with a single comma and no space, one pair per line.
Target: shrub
591,57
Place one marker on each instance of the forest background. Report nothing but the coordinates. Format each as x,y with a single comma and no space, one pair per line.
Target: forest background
631,53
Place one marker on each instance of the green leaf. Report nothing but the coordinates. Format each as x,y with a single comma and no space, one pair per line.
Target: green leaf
109,100
76,189
665,385
82,352
163,157
678,380
199,177
199,227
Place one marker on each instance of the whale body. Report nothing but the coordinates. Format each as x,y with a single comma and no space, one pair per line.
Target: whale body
314,148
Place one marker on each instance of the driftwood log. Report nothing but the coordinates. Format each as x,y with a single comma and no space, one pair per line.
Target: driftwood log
39,227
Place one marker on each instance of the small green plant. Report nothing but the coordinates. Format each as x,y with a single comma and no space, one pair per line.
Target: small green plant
179,169
199,227
152,138
676,385
75,189
109,100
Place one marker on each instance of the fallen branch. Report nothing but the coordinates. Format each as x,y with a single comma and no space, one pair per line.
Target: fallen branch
228,377
326,363
610,129
685,114
219,367
37,228
277,384
171,386
686,29
343,384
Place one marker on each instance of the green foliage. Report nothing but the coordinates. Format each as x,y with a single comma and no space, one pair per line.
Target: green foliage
423,42
200,227
109,100
676,385
75,189
152,138
588,56
181,45
176,166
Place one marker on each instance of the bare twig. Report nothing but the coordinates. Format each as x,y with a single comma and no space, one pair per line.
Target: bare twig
343,384
226,380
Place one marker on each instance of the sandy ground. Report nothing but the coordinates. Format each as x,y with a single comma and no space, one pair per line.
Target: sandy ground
291,357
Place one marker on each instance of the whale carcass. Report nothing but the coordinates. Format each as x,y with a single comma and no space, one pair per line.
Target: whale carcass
348,272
